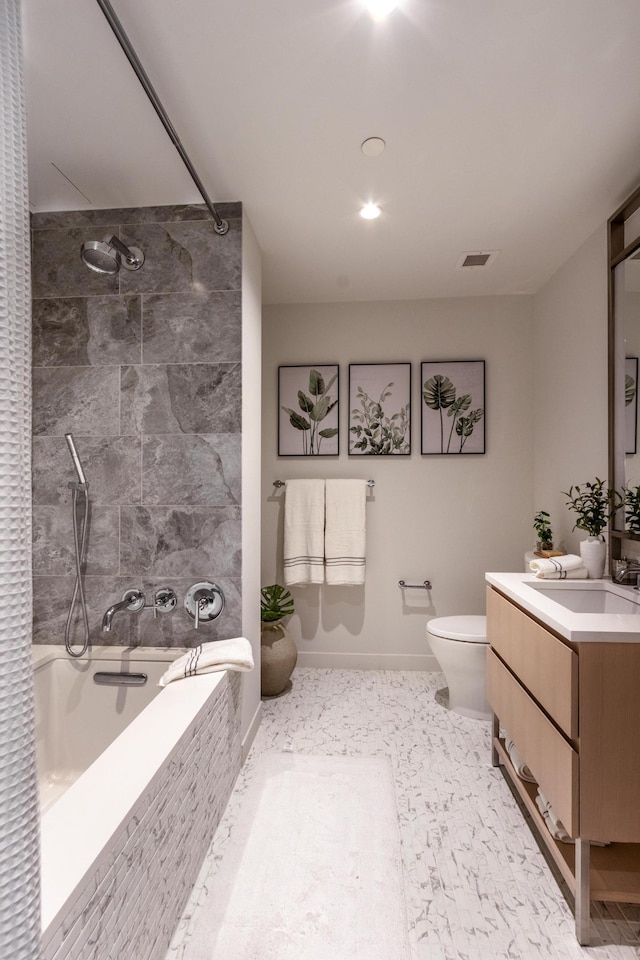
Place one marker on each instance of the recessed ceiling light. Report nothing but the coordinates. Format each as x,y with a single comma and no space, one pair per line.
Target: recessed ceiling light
370,211
379,9
373,147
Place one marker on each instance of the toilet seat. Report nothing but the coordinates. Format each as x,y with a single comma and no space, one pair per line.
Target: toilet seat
470,629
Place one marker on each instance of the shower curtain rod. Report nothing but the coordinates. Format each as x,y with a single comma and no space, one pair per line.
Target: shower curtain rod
220,226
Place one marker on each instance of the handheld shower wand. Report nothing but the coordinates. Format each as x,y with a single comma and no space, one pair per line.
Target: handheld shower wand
80,544
75,457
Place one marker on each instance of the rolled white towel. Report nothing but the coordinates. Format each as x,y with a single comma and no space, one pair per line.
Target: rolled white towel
568,567
233,654
518,762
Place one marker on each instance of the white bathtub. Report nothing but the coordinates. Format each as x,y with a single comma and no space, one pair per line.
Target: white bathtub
133,781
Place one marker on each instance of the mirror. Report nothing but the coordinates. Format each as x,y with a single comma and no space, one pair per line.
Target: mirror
624,354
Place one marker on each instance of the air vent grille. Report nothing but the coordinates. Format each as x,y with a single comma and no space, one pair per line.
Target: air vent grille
476,259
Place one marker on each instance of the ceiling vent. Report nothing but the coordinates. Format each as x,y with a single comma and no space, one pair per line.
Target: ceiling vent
476,259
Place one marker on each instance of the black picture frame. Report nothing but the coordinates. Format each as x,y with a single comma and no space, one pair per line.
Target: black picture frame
452,407
379,409
631,405
308,410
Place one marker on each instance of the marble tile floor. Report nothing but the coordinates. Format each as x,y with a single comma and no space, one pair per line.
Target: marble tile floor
476,884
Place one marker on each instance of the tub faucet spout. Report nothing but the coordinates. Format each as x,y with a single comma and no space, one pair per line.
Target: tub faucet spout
133,601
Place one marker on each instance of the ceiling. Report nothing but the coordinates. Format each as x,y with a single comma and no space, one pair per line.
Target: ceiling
509,125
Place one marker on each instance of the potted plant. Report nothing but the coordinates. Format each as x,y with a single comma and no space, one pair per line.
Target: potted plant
592,502
542,527
279,653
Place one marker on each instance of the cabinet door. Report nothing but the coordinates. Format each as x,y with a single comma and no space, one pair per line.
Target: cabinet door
546,666
552,760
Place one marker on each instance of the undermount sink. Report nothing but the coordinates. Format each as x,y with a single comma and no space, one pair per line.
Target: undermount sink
598,600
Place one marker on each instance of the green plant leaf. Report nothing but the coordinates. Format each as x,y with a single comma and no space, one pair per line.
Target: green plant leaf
328,432
300,423
438,392
276,602
304,402
320,409
316,384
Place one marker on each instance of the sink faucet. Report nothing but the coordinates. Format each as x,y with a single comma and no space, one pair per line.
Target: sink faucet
630,566
133,601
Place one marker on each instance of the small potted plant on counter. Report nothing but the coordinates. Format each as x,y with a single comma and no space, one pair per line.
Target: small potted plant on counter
542,527
279,653
593,504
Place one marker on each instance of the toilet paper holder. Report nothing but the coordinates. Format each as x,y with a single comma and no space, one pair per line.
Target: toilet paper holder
425,585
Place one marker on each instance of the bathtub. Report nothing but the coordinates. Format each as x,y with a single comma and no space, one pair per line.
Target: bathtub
134,780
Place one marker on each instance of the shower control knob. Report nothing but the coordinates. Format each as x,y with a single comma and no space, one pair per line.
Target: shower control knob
204,602
164,601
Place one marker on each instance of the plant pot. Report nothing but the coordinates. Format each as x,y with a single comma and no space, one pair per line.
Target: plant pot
593,551
278,657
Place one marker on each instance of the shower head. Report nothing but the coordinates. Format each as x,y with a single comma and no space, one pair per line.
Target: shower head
107,256
76,459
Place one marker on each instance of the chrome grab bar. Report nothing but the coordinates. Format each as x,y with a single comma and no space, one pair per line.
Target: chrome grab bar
425,585
120,678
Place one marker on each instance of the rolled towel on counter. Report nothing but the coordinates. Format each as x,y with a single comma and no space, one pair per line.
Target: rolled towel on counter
556,827
568,567
234,654
519,765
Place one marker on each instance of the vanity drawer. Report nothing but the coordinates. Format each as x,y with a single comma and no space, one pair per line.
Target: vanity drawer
546,666
550,758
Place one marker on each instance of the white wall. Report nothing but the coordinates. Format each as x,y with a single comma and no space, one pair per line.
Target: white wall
448,519
251,502
570,383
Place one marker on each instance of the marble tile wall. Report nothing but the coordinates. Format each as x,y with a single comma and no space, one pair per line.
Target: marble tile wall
129,906
144,368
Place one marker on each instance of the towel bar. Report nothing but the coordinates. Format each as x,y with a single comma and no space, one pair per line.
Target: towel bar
425,585
283,483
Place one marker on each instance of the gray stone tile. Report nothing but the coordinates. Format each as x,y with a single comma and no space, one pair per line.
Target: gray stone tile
53,541
191,470
57,269
183,256
157,214
192,327
180,541
112,466
84,400
181,398
51,600
176,629
78,331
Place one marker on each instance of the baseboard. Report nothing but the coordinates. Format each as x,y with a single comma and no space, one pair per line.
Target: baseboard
369,661
251,732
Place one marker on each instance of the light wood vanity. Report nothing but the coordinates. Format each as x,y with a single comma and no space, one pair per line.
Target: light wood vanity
572,706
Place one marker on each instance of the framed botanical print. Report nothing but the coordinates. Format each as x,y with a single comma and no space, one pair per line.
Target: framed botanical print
308,424
452,407
379,409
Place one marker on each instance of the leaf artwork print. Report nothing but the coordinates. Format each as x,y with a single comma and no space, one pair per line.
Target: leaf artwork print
313,408
376,431
454,406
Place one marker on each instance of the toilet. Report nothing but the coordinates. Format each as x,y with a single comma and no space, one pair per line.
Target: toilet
459,644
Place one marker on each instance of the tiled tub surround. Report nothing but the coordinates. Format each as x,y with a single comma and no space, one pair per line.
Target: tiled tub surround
122,848
145,369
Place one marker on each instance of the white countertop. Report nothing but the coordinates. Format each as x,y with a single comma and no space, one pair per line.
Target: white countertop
576,627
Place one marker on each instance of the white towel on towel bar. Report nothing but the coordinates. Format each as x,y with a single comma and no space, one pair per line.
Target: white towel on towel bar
345,534
304,532
568,567
233,654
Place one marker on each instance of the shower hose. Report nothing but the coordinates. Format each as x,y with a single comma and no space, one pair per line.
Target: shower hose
80,544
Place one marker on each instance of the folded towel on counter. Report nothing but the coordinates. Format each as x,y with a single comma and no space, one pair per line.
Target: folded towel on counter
304,532
344,536
519,765
568,567
234,654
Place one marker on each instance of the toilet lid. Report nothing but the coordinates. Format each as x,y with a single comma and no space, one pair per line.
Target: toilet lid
471,629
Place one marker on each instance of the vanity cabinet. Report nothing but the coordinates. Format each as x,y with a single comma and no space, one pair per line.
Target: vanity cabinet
573,709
